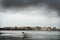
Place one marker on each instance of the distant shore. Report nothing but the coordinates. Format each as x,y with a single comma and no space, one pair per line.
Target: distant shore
31,28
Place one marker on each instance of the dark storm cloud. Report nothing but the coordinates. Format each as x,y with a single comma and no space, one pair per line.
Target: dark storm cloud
19,3
8,3
55,4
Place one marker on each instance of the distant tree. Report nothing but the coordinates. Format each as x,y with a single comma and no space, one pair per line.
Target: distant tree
38,27
30,28
49,28
54,28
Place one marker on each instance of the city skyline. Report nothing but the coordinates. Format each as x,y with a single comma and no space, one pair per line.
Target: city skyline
38,28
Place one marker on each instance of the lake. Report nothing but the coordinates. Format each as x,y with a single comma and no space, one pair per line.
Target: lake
34,35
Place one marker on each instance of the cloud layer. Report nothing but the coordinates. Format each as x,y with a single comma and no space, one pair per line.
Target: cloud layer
53,4
30,12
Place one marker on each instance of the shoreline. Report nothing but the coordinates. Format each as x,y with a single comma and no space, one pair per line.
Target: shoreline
28,30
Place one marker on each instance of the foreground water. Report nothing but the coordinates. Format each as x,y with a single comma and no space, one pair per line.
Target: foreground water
34,35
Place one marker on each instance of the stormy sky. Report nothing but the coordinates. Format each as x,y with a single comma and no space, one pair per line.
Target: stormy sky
30,12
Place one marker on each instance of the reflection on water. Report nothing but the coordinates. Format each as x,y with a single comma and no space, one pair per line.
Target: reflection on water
26,38
34,35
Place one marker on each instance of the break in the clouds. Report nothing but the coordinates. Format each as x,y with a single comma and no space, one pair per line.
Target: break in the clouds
30,12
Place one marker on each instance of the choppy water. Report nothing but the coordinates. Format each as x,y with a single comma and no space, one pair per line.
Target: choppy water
34,35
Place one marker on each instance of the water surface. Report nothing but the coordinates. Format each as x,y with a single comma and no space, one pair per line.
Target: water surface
34,35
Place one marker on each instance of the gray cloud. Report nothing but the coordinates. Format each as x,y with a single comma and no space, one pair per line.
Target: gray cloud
40,8
53,4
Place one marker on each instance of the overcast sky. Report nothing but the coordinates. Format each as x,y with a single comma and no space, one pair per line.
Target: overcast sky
30,13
